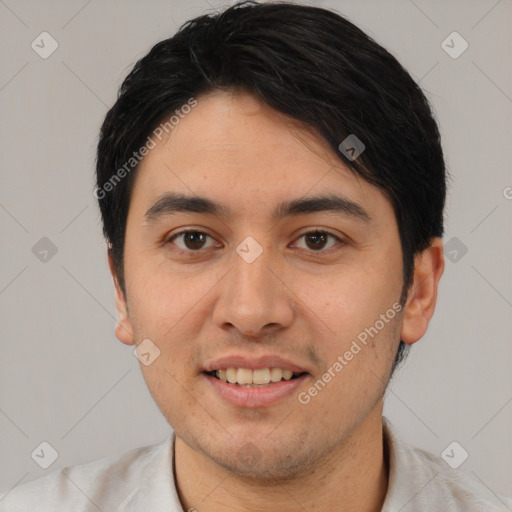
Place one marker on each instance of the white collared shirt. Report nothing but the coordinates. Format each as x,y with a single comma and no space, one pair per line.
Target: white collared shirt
142,480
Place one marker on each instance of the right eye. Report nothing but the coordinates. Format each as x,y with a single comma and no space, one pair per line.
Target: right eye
192,240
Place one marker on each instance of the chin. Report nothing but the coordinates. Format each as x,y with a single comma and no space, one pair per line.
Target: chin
266,470
262,460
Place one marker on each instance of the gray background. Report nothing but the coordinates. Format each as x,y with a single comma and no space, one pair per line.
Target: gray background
65,379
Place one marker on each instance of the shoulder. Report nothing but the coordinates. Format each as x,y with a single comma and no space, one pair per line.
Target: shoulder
420,480
102,484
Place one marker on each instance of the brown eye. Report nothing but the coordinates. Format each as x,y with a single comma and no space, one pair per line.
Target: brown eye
191,240
317,240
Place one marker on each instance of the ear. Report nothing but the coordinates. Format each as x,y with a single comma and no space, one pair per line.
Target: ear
124,328
422,295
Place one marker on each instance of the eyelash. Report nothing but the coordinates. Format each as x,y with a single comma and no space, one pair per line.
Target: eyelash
314,231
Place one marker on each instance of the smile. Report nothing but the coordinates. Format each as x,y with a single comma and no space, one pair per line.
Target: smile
254,378
248,394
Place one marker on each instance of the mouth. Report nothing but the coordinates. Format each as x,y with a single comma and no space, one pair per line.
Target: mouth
259,378
254,381
246,388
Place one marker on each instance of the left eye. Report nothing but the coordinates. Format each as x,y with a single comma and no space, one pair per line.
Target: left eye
316,239
194,240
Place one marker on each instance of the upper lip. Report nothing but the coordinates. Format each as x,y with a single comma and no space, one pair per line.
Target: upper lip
253,363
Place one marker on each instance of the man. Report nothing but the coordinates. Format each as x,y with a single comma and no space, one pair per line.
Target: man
272,185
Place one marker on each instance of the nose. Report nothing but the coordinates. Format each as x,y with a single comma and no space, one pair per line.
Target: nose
254,297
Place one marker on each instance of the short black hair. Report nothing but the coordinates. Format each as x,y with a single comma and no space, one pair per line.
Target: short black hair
309,63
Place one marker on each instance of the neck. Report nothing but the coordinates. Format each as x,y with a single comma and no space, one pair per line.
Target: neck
353,477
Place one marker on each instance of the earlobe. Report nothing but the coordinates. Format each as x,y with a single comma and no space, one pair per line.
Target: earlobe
124,328
422,296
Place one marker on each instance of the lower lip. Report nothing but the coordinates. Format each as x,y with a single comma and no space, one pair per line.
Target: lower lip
242,396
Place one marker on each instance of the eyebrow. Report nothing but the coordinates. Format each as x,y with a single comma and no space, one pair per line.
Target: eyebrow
171,203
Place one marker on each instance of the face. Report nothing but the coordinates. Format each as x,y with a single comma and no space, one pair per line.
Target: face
272,279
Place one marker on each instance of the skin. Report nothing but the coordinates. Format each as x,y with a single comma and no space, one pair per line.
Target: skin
302,301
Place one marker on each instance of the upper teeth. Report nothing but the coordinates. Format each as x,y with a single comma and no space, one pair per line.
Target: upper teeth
246,376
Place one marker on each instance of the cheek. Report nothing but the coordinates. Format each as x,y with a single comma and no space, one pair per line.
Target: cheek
346,310
166,389
350,299
162,296
170,307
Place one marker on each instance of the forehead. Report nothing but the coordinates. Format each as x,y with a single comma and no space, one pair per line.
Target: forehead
234,148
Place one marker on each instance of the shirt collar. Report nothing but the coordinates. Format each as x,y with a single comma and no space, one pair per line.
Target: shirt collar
157,490
412,482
